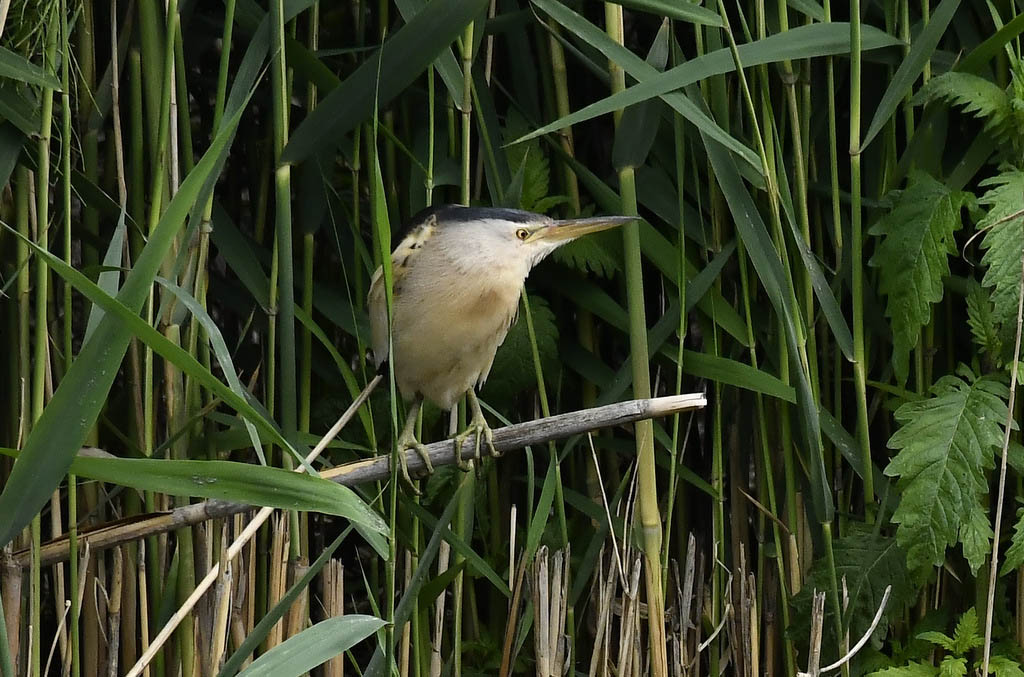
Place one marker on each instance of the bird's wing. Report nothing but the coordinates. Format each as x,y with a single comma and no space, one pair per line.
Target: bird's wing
400,263
378,318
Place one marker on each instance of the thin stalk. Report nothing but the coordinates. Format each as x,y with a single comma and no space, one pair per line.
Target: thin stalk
856,261
650,513
308,244
464,516
41,341
679,146
283,227
65,147
833,149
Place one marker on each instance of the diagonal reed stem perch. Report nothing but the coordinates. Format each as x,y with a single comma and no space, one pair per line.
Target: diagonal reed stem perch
374,469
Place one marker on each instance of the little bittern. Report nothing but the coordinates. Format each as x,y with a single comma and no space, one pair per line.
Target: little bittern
457,277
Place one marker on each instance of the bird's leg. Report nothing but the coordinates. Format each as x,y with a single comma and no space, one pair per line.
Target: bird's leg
407,440
478,427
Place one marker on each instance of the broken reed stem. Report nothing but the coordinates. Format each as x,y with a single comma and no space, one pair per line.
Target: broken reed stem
509,438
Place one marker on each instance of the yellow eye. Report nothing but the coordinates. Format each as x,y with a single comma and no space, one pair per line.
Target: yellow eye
522,233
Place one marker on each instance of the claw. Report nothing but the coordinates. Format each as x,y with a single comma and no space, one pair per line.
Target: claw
407,440
479,429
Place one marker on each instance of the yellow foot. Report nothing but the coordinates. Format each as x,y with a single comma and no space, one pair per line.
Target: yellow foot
477,427
406,442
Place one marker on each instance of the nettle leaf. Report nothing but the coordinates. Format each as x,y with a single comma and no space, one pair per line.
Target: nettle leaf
966,636
531,159
945,444
599,253
981,319
512,371
1001,666
979,97
1015,553
953,667
869,562
917,239
939,639
1003,245
915,669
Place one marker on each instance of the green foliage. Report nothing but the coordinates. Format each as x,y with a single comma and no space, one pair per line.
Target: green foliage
959,648
1015,553
945,444
530,159
915,669
981,320
1002,666
1003,245
979,97
965,637
512,371
917,239
869,562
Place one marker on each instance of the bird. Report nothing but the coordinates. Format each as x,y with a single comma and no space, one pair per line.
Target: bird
457,276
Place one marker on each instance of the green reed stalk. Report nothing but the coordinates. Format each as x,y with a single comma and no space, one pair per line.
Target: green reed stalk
41,343
679,146
650,514
833,148
283,226
464,516
857,262
65,147
308,245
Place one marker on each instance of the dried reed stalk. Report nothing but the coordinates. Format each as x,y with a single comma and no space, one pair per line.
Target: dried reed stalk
508,438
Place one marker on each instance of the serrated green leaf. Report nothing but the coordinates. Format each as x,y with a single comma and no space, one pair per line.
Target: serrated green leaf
978,97
508,376
1004,246
1001,666
976,536
1015,553
917,239
982,321
869,562
599,253
533,174
945,445
966,636
939,639
952,666
915,669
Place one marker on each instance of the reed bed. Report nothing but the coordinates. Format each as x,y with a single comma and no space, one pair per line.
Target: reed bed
829,250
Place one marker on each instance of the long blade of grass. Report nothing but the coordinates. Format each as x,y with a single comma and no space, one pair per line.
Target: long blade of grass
260,631
681,11
920,52
66,420
402,58
232,481
302,652
17,67
803,42
769,270
121,315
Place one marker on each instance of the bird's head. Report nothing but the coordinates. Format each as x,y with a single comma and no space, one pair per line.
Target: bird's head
494,236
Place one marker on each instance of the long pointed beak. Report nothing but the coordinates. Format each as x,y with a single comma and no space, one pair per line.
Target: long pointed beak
570,229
